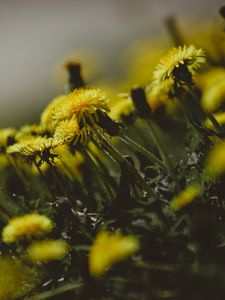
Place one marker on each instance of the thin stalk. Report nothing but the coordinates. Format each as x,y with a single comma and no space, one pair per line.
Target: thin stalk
104,170
104,174
66,169
101,180
144,151
215,123
19,173
107,154
156,266
164,155
122,160
52,194
57,291
57,180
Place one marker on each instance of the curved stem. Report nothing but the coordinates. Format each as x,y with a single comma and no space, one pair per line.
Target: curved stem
105,188
44,180
143,150
122,160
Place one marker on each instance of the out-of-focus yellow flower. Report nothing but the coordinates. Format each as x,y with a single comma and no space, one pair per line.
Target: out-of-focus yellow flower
140,58
29,130
215,161
209,36
6,137
109,248
47,250
26,226
156,97
123,109
47,120
213,92
187,196
177,66
16,278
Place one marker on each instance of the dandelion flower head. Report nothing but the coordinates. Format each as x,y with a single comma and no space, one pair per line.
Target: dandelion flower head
213,90
215,161
47,250
109,248
122,109
83,104
68,131
187,196
34,147
47,120
7,136
16,278
26,226
29,130
178,66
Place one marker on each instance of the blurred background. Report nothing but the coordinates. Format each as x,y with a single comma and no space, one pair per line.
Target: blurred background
36,38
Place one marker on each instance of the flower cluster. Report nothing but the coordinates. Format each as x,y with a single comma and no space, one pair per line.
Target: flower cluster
102,179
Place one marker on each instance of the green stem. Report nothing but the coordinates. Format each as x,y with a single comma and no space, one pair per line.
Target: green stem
144,151
19,173
103,168
122,160
101,180
215,123
109,181
57,180
164,155
44,181
57,291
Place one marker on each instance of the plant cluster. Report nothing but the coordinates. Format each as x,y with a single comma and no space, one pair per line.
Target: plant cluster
119,198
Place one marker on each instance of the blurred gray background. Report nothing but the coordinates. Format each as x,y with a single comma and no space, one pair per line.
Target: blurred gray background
35,36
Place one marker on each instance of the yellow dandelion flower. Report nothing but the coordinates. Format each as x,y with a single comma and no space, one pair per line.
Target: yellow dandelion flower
7,136
84,104
213,93
35,147
29,130
178,66
155,97
123,109
16,278
215,161
68,131
26,226
109,248
187,196
47,250
47,120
